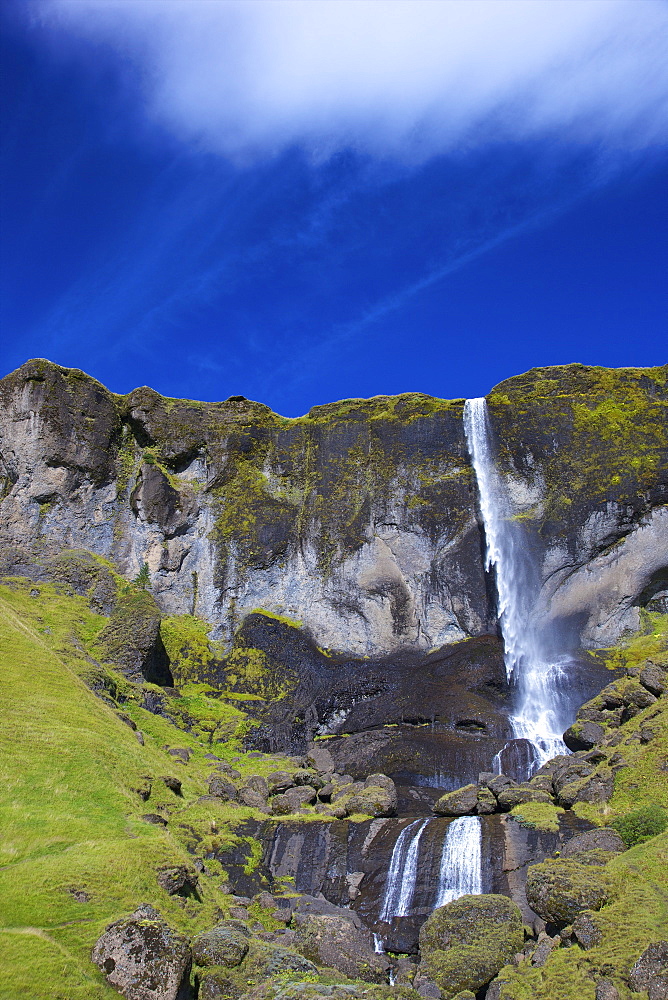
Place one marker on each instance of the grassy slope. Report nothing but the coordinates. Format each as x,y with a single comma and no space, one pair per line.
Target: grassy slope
69,817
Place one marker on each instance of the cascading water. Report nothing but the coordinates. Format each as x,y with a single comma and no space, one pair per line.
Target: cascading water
461,868
401,878
529,667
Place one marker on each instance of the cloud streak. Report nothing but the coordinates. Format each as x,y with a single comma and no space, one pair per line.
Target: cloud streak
406,79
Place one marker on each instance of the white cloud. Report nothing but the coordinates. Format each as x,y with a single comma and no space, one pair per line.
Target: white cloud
405,78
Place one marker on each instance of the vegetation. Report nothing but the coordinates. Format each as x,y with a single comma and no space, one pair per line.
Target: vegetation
641,824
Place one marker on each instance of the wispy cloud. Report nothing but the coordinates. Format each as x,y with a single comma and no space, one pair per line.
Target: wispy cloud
407,79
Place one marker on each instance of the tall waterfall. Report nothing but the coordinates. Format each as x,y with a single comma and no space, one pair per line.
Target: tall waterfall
461,869
529,665
401,878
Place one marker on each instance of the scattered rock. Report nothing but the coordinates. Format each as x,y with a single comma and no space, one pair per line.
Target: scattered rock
546,945
174,784
292,800
601,839
584,735
224,945
178,880
461,802
321,759
222,788
465,943
334,941
486,803
654,678
518,795
155,819
278,782
606,990
558,890
650,972
143,957
181,753
249,797
258,784
586,930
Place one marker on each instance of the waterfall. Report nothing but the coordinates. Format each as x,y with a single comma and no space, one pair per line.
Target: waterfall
529,667
401,877
461,870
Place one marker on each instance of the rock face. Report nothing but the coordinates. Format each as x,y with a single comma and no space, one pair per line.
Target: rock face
465,943
360,518
143,958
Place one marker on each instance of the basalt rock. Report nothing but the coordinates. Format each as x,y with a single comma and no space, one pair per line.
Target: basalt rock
650,972
334,941
143,957
461,802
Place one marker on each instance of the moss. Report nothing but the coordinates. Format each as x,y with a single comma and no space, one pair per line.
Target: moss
597,433
193,657
537,816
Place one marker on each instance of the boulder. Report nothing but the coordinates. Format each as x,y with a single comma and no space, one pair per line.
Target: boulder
249,797
546,945
278,782
586,930
558,890
143,957
465,943
598,788
461,802
178,880
307,776
258,784
486,803
650,972
223,945
222,788
292,800
321,759
606,990
654,678
518,795
584,735
334,941
601,839
373,801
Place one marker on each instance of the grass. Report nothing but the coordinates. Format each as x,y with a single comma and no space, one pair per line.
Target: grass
70,814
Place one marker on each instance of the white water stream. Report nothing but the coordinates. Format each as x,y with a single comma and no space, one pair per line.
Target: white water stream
402,876
461,867
529,666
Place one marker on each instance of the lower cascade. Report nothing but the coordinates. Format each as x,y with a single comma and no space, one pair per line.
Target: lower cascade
402,875
535,673
461,867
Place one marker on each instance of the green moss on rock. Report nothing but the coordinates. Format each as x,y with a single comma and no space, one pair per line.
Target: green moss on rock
465,943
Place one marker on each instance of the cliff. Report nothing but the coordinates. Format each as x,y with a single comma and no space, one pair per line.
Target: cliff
358,520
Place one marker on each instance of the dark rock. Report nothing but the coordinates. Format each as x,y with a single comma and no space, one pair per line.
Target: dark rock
546,945
155,819
326,792
222,788
258,784
174,784
181,753
499,782
598,788
559,890
224,945
654,678
178,880
584,735
486,803
321,759
465,943
307,776
650,972
461,802
586,930
143,957
335,942
249,797
601,839
517,795
215,984
292,800
606,990
278,782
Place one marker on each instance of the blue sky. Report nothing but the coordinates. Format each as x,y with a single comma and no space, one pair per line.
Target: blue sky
302,202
